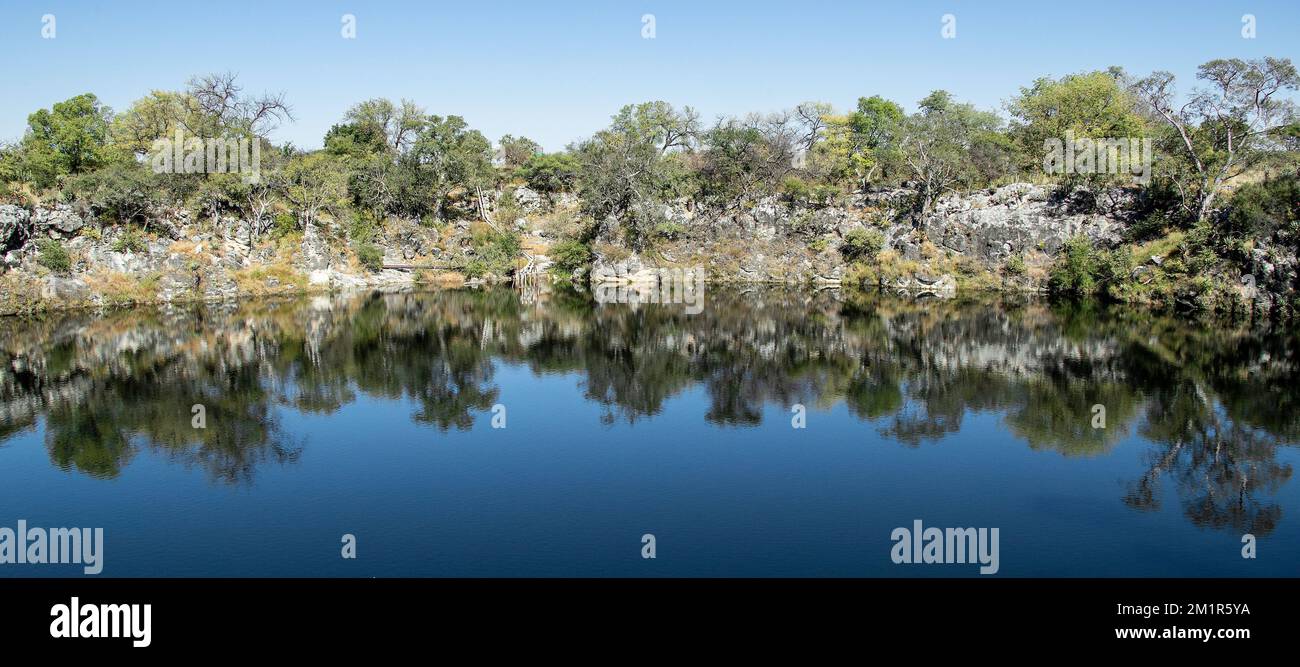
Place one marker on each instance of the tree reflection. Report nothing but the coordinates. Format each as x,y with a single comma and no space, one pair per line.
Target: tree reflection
1215,403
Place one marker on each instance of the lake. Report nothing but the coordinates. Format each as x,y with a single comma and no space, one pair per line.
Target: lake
773,433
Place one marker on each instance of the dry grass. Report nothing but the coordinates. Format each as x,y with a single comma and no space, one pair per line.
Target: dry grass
123,289
446,279
20,295
267,279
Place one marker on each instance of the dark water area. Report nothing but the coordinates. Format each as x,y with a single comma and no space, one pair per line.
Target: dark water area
501,433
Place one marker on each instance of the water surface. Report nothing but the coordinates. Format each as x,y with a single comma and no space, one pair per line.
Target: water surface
372,415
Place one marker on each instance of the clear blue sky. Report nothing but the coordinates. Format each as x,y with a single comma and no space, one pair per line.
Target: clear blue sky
555,71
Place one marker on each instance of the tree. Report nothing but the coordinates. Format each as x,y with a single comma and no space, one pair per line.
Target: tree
860,144
744,158
1223,128
218,107
515,151
312,183
447,155
72,137
355,140
400,124
629,166
1094,105
122,192
550,172
936,144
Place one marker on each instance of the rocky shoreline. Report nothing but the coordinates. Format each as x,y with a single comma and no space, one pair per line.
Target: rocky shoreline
998,239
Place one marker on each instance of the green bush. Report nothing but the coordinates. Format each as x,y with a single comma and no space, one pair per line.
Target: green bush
1266,208
495,252
370,256
795,189
130,241
52,256
121,193
550,172
570,255
1076,268
1083,270
283,224
1015,266
475,268
862,244
670,230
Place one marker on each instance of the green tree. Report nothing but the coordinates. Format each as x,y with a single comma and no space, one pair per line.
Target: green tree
448,154
745,158
1223,129
1092,105
862,143
313,183
630,166
69,138
516,151
550,172
398,123
937,142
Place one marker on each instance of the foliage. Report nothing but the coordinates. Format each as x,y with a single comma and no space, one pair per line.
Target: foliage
1225,127
937,142
862,144
743,159
515,151
120,193
130,241
550,172
862,244
1093,105
52,255
1264,210
629,167
494,252
370,256
570,255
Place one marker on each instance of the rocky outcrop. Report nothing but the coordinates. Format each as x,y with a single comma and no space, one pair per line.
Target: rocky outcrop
994,225
774,241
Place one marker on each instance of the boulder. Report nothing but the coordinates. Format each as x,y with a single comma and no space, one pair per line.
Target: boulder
61,219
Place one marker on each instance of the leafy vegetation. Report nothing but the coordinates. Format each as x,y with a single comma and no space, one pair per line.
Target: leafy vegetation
385,159
52,255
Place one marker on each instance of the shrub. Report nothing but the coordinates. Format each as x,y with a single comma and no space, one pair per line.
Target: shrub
795,189
818,245
1083,270
283,224
1015,266
495,252
1265,208
130,241
52,256
122,193
1075,270
370,256
862,244
570,255
670,230
475,268
550,172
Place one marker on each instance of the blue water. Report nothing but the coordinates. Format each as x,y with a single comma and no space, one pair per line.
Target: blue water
584,467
